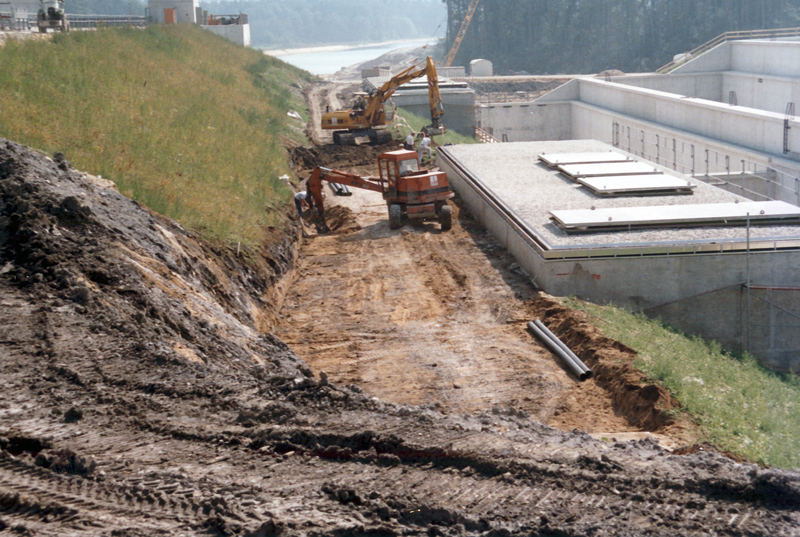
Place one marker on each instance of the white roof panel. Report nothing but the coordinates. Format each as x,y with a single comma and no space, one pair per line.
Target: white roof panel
676,215
621,185
556,159
630,167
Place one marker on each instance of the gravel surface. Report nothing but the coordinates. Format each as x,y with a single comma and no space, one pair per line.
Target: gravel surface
513,172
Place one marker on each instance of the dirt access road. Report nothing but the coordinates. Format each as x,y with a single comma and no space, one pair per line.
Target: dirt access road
418,316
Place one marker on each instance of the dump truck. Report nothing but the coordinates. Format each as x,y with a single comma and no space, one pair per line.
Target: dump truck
52,15
366,119
409,191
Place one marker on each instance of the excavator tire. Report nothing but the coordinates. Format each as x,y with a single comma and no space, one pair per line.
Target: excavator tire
446,217
395,216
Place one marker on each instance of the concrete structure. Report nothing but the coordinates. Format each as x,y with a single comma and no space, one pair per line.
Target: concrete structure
458,100
480,68
234,28
174,11
377,71
693,278
723,115
451,72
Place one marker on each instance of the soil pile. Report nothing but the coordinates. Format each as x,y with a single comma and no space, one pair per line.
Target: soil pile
144,394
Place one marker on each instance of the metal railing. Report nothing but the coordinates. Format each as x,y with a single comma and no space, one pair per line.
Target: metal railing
711,166
485,137
728,36
93,21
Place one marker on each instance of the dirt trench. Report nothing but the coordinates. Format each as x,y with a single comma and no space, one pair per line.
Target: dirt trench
144,391
420,316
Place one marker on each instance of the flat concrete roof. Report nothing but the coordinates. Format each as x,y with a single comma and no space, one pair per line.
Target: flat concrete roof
513,173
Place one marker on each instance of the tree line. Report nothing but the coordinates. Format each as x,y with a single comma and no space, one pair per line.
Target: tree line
589,36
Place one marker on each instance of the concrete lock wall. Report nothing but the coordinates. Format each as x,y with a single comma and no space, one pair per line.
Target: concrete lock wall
762,92
527,121
676,147
759,131
459,107
776,58
700,293
703,86
237,33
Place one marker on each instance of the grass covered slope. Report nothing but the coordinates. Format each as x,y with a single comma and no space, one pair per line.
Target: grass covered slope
739,405
181,120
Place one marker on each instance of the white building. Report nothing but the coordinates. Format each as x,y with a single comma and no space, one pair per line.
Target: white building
175,11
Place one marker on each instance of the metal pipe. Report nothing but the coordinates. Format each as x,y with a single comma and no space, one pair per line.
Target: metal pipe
564,347
558,351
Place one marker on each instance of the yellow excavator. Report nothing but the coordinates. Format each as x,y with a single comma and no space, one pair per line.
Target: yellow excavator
367,117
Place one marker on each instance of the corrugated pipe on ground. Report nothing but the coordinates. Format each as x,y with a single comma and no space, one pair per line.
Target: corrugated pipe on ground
560,349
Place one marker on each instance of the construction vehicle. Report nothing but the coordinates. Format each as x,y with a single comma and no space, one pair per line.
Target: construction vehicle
367,117
52,15
451,55
409,191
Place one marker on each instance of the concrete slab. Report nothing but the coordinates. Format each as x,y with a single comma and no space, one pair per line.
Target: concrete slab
556,159
637,185
720,214
600,169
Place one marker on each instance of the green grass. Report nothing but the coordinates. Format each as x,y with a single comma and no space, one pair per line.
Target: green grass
181,120
739,405
417,122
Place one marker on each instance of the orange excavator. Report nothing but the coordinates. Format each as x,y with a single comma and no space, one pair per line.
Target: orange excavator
367,117
409,191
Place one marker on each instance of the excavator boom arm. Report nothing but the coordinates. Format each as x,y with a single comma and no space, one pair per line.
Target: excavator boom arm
314,185
382,94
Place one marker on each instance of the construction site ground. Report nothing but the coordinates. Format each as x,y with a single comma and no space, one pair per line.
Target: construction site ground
155,383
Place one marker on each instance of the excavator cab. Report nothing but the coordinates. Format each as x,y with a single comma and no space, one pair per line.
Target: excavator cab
411,191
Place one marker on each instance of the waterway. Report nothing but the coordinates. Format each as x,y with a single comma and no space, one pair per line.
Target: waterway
329,59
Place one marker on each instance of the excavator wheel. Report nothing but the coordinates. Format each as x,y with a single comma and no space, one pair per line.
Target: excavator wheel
395,216
446,217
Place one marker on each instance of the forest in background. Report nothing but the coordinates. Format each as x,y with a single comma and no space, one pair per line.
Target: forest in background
589,36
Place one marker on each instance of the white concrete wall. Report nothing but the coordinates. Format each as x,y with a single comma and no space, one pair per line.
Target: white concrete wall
238,33
775,58
527,121
703,85
745,127
716,59
762,92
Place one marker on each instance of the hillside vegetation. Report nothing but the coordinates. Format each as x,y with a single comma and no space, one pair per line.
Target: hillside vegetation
739,405
181,120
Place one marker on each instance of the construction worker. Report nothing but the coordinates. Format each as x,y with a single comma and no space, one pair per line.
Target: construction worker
409,142
424,145
301,199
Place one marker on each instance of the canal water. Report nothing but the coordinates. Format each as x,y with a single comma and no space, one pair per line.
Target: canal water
328,60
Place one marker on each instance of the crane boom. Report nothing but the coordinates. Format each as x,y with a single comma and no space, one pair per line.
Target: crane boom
461,31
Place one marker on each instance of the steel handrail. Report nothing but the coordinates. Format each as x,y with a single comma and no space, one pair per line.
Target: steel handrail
728,36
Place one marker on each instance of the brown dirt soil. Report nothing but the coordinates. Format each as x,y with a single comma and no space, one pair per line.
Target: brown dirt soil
420,316
143,390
